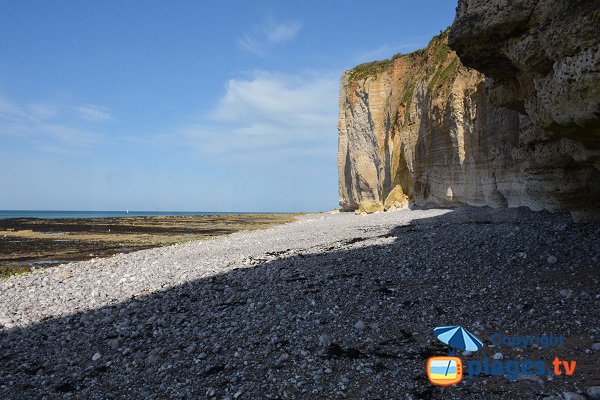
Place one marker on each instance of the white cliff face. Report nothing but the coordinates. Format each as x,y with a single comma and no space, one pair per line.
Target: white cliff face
424,122
359,152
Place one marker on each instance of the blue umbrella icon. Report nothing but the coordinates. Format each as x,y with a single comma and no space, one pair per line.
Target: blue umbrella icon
458,337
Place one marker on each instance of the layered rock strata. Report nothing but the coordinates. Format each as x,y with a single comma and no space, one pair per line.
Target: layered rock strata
426,128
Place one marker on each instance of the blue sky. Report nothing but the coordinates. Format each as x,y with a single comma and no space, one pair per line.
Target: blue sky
185,105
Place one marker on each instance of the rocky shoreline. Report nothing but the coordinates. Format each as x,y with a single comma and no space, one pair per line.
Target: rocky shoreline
331,306
30,243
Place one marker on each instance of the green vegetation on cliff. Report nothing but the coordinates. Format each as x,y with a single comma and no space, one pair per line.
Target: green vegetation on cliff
435,66
372,68
442,75
439,46
435,53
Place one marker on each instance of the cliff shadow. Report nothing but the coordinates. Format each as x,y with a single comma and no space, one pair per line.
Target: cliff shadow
463,152
350,322
437,165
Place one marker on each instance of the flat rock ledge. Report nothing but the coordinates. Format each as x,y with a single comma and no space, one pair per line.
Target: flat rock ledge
331,306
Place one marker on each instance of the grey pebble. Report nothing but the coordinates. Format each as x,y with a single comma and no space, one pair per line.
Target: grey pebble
573,396
566,293
360,325
593,392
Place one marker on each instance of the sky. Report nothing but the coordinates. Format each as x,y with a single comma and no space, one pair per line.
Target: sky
185,105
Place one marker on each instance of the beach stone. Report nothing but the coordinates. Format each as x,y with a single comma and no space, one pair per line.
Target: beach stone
282,358
152,358
566,293
533,378
360,325
324,340
115,343
573,396
593,392
96,356
552,260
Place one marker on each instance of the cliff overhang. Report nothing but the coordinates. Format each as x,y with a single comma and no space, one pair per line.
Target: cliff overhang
487,114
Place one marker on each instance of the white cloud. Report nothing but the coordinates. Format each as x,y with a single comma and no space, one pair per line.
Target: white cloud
268,34
7,108
269,117
251,45
278,96
93,113
50,127
43,111
282,32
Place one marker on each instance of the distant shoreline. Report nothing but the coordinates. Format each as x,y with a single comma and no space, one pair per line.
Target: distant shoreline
61,214
29,243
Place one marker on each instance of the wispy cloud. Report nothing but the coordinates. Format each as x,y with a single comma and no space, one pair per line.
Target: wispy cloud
43,111
265,36
94,113
282,32
51,127
7,108
267,117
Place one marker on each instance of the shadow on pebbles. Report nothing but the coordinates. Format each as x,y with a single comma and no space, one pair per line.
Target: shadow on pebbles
331,306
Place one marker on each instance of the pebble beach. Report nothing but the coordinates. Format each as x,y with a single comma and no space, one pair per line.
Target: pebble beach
333,305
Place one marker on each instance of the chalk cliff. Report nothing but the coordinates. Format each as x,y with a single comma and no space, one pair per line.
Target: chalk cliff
543,57
423,128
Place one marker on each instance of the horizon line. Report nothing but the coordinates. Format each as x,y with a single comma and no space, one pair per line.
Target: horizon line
154,211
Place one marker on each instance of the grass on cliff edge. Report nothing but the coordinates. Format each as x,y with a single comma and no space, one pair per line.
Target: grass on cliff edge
432,64
438,43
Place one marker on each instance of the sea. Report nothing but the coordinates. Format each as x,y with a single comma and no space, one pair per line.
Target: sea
105,214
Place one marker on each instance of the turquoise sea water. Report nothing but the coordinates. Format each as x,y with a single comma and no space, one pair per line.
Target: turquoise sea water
102,214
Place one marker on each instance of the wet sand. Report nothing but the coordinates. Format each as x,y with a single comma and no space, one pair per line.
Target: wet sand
30,243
